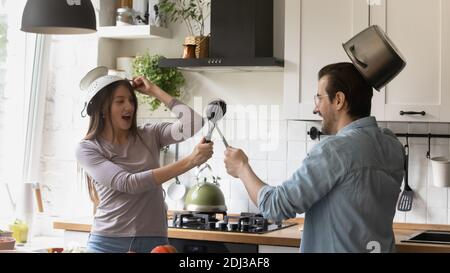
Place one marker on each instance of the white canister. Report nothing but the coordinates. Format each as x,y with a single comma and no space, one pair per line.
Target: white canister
125,64
441,171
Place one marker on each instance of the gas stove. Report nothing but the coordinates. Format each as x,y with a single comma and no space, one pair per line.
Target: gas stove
220,221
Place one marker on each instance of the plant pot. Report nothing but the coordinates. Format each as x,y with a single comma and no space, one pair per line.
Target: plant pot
201,45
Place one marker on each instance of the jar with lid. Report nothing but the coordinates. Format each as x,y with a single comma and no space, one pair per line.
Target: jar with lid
124,17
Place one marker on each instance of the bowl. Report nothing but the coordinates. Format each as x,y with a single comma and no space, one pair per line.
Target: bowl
4,233
7,243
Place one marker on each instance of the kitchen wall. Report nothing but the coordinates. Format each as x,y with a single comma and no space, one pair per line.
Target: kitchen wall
431,204
263,90
275,146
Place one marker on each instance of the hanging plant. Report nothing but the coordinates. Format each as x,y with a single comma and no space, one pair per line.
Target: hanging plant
168,79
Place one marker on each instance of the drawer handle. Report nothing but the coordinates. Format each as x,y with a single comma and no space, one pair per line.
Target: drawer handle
410,113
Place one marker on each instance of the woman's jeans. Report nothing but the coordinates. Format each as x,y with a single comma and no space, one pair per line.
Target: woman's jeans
102,244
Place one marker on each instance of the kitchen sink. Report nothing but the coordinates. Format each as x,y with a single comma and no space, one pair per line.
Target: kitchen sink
430,237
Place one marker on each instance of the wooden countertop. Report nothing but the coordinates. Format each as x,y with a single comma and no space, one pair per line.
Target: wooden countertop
289,236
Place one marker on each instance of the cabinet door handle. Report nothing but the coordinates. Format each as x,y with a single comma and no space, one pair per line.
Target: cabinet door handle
410,113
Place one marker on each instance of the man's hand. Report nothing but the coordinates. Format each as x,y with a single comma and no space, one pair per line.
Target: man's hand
235,161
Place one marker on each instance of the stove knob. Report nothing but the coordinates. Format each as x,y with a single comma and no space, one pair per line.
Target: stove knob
245,227
223,226
234,227
259,229
212,225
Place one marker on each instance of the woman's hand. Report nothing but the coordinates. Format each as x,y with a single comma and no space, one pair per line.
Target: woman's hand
202,152
144,86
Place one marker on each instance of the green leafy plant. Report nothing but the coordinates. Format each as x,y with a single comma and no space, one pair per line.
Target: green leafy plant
193,13
168,79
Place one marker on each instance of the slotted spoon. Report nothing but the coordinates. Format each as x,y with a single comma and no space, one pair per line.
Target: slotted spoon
406,198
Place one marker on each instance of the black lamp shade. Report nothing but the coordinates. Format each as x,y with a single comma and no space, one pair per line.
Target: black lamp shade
59,17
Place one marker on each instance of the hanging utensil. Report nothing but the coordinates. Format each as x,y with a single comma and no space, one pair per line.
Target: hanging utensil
214,112
177,190
406,198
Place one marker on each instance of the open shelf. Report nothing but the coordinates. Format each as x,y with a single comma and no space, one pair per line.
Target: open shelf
134,32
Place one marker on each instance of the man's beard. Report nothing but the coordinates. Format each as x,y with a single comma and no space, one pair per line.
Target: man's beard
327,126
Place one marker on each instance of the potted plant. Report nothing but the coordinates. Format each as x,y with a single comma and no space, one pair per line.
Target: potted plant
194,14
169,79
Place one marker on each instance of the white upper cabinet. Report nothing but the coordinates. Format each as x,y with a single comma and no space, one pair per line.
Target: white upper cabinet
314,33
315,30
421,31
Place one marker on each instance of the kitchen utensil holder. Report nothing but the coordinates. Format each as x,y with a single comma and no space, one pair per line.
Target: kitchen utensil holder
315,133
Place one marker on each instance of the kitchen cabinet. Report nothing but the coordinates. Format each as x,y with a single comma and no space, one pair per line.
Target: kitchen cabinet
314,33
420,29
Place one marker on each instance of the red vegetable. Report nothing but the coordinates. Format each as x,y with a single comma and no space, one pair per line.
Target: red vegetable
164,249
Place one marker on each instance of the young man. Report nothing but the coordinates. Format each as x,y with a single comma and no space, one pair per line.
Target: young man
349,183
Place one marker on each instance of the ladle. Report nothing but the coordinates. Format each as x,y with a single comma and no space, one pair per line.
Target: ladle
215,111
177,190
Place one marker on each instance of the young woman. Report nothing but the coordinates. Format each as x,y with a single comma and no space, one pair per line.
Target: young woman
122,163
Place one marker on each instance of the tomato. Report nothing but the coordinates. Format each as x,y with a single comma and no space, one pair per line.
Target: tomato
164,249
55,250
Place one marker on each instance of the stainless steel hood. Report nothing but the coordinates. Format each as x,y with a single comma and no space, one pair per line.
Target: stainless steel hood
241,39
223,64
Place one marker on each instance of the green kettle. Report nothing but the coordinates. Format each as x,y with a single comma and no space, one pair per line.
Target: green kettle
205,196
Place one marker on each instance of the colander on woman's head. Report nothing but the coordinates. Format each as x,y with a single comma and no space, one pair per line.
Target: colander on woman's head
94,81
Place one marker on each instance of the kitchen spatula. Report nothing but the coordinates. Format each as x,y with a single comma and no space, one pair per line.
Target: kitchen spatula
406,198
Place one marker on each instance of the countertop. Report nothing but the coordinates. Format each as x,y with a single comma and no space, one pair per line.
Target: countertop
289,237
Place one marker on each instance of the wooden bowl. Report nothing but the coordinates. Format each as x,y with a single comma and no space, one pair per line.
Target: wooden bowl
7,243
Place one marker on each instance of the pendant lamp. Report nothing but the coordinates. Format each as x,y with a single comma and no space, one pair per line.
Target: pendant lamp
59,17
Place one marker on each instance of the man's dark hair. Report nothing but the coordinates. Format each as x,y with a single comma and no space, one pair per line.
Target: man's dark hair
358,92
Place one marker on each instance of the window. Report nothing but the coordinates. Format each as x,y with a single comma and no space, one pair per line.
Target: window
20,55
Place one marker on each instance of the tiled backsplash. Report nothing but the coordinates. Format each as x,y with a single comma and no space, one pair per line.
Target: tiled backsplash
431,204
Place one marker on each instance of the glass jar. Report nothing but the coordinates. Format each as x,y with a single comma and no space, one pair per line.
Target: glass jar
20,231
124,17
125,4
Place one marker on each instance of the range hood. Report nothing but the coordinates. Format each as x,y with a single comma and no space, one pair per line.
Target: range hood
241,39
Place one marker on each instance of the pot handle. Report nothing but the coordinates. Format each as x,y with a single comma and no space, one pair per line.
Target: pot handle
200,169
357,60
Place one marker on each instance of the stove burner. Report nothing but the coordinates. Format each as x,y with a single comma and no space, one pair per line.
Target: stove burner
196,220
245,222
